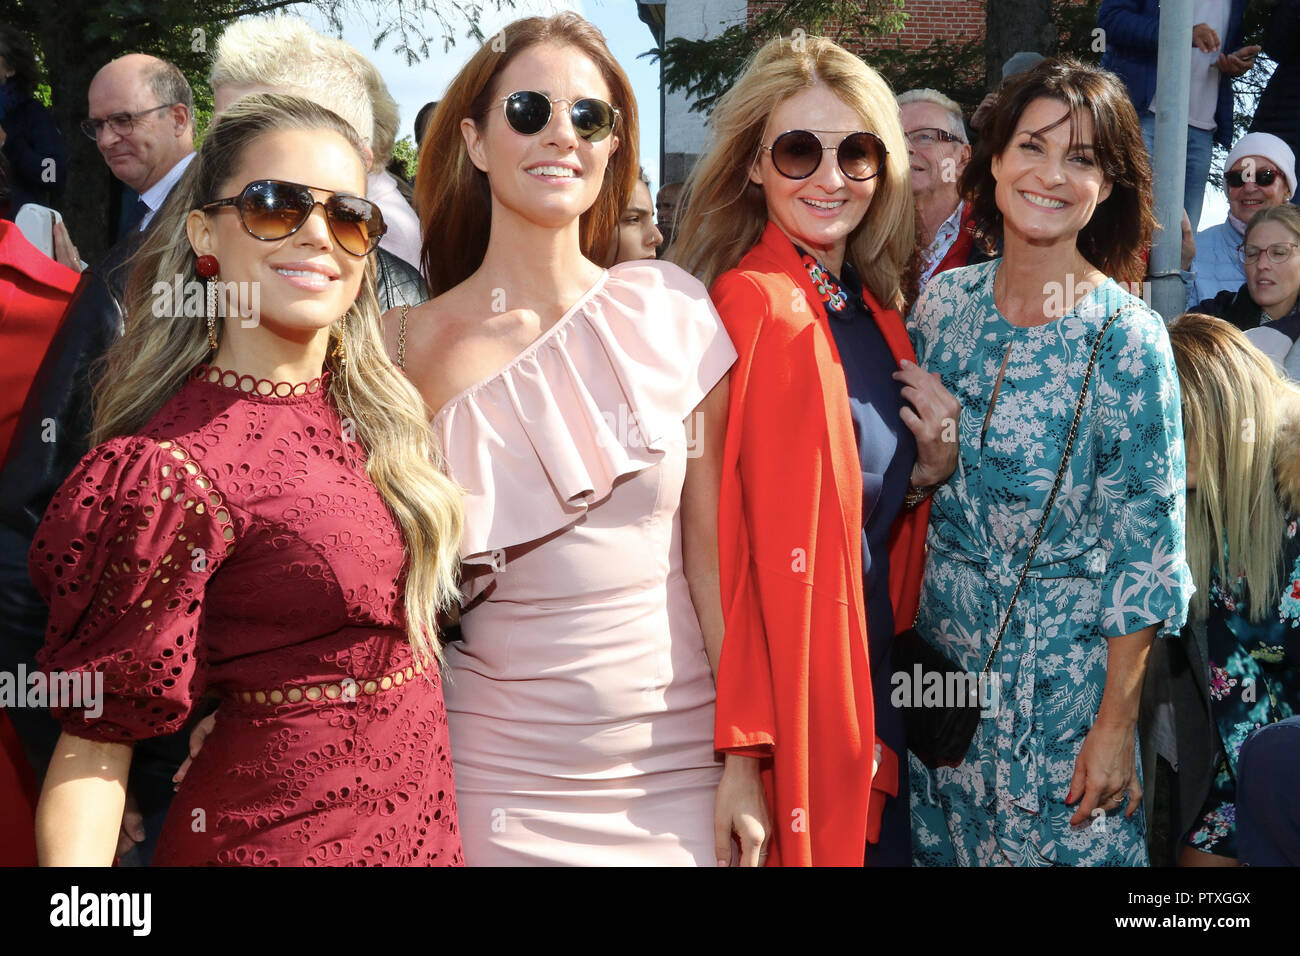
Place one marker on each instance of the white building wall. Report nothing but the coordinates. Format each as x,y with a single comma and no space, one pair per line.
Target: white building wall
684,132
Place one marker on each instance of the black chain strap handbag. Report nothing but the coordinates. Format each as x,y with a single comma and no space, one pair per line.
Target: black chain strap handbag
941,736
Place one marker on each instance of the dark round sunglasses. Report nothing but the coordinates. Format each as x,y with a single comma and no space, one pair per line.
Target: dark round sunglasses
797,154
528,113
1261,177
271,209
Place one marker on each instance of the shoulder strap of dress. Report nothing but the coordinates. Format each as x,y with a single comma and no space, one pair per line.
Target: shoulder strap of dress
401,338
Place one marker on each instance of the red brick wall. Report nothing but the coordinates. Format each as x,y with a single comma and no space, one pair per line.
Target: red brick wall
956,21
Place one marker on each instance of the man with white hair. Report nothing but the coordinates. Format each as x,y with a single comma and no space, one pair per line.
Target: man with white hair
284,54
403,237
938,151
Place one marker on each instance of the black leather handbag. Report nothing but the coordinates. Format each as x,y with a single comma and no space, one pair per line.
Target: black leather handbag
940,736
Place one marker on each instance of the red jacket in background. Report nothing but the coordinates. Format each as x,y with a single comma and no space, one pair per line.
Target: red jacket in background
34,291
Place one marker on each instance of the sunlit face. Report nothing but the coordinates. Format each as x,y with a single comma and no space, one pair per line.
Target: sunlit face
1048,187
1250,197
817,213
551,177
935,167
1273,283
305,281
637,235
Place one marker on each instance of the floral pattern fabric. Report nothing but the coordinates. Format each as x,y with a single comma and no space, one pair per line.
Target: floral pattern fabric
1254,681
1111,560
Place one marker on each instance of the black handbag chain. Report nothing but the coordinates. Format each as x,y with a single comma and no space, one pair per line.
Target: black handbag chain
1056,486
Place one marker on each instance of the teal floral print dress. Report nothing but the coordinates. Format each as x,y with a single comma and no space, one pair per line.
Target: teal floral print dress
1111,560
1254,681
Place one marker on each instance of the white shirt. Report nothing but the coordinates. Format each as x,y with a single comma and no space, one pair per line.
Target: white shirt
1203,90
156,195
944,237
403,236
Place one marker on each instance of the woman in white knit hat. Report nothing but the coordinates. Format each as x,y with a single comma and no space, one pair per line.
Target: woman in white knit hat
1260,174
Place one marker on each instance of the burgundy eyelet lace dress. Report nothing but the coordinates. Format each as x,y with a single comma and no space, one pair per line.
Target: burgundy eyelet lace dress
235,547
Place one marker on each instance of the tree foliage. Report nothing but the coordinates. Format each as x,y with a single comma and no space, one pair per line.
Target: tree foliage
707,68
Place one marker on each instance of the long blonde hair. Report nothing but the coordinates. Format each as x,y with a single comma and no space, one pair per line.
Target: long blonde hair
144,368
1234,407
725,213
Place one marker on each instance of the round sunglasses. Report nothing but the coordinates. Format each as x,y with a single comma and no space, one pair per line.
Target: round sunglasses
1262,177
271,209
797,154
529,112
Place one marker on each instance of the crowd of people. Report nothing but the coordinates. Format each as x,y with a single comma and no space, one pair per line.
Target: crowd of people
518,517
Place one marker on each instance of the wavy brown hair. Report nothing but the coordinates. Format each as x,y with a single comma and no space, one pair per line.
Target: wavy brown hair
453,195
144,368
1119,232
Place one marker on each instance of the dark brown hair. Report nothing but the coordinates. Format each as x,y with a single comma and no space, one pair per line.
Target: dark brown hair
1119,233
453,195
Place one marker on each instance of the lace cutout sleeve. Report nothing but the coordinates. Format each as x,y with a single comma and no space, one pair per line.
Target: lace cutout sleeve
123,557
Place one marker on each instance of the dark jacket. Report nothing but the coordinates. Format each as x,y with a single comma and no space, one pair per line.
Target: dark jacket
37,154
1278,111
58,408
1132,33
1237,307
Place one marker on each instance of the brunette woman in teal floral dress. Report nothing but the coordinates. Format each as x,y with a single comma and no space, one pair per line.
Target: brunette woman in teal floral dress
1051,778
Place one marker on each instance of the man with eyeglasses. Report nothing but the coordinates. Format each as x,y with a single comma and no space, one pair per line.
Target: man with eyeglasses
937,153
1260,174
141,113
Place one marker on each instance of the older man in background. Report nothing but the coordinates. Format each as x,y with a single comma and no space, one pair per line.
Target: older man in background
937,153
141,116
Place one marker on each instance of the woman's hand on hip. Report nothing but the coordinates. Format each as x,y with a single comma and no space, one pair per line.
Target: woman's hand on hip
741,809
933,420
1104,772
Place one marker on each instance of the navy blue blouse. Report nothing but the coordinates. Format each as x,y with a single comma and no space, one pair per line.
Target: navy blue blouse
886,447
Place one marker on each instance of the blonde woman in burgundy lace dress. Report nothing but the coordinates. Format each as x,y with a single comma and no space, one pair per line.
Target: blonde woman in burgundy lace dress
262,523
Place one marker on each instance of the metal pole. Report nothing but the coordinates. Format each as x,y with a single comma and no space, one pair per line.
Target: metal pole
1169,163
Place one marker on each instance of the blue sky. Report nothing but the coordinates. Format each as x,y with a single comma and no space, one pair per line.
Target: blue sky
413,86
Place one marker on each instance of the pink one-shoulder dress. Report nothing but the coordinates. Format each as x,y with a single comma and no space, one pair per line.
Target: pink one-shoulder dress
581,700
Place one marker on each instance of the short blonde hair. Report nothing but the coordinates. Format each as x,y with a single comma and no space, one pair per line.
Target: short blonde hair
285,55
387,118
956,123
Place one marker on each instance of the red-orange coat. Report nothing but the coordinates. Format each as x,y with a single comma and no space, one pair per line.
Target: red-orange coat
794,685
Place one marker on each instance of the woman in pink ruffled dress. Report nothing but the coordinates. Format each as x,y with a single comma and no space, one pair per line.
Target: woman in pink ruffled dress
581,698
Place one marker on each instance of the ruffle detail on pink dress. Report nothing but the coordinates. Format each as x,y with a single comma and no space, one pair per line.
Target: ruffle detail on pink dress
589,401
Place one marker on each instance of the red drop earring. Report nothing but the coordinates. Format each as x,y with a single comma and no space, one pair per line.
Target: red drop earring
207,266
